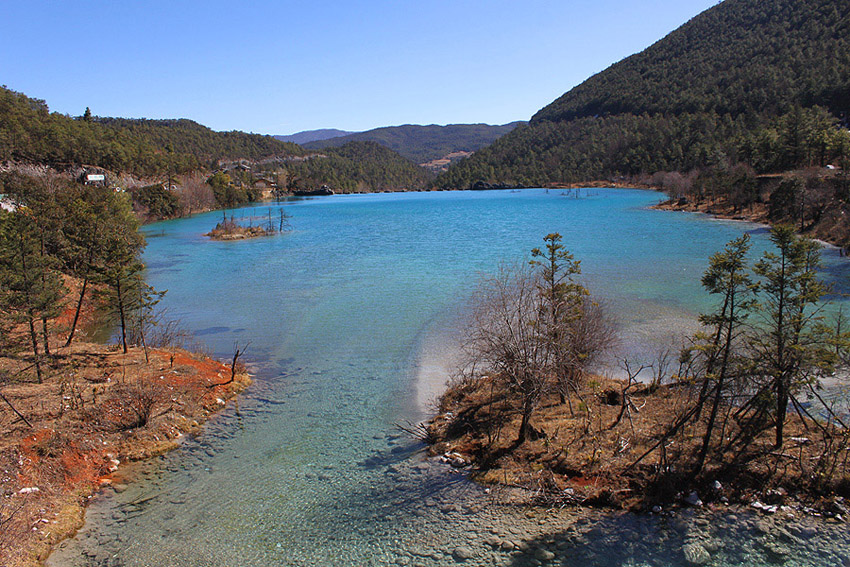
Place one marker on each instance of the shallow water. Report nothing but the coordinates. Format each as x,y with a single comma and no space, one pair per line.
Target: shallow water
351,321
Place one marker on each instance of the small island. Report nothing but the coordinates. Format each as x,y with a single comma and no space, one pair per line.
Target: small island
231,229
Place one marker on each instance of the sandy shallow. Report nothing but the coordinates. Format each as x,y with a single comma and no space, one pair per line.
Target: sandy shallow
436,363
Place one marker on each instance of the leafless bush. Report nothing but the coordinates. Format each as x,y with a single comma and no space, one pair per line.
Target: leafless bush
133,405
586,338
505,339
675,184
195,194
158,330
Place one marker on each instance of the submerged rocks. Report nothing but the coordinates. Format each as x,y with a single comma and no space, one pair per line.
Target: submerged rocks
543,554
696,554
462,553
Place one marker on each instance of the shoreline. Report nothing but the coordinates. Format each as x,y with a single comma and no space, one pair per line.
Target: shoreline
756,215
60,463
560,466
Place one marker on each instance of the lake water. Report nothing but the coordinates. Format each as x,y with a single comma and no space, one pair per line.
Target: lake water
351,320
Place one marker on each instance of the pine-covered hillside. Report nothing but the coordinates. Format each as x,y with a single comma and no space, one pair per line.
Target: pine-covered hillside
358,167
766,84
30,133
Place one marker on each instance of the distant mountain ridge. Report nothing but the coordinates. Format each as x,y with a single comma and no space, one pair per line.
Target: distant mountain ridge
759,83
422,144
308,136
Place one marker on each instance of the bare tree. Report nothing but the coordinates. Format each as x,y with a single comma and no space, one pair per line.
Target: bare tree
507,340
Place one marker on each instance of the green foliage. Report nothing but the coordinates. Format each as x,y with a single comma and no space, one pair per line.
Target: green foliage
422,144
230,192
155,201
563,304
64,228
533,330
30,287
790,351
764,344
30,133
359,167
742,82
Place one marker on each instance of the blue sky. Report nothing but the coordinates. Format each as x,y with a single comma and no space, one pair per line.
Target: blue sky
281,67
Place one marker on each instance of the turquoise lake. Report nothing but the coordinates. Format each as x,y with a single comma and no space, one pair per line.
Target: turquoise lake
351,321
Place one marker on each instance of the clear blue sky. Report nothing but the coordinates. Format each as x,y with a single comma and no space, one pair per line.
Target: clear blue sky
281,67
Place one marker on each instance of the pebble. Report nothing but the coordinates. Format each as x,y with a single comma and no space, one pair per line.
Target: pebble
544,554
805,532
462,553
693,499
695,554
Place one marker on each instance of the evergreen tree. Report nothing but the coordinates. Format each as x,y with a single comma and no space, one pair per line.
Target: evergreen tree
30,289
790,347
562,300
727,276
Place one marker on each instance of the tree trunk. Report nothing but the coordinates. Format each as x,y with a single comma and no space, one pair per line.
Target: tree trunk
782,396
77,312
34,337
121,313
525,424
45,335
724,364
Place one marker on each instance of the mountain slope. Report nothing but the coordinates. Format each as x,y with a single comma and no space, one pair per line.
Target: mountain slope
745,81
313,135
29,132
422,144
359,167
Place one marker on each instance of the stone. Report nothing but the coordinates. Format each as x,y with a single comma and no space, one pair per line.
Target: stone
766,508
693,499
806,532
776,552
695,554
543,554
493,541
462,553
119,488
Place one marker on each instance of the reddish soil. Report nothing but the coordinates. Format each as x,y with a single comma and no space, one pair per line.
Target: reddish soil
96,409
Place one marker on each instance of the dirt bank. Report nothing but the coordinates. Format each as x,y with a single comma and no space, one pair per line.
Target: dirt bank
588,451
96,409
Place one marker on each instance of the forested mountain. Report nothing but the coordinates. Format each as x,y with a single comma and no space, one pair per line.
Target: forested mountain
358,167
313,135
766,84
422,144
183,136
29,132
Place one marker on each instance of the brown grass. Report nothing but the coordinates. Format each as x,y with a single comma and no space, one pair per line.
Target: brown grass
98,407
580,456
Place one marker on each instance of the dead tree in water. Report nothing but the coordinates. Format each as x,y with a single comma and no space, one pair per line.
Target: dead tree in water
236,354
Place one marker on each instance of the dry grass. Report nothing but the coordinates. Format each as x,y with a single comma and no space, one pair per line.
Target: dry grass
582,454
98,407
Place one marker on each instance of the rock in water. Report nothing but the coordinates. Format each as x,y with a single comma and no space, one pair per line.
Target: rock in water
695,554
544,555
462,553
